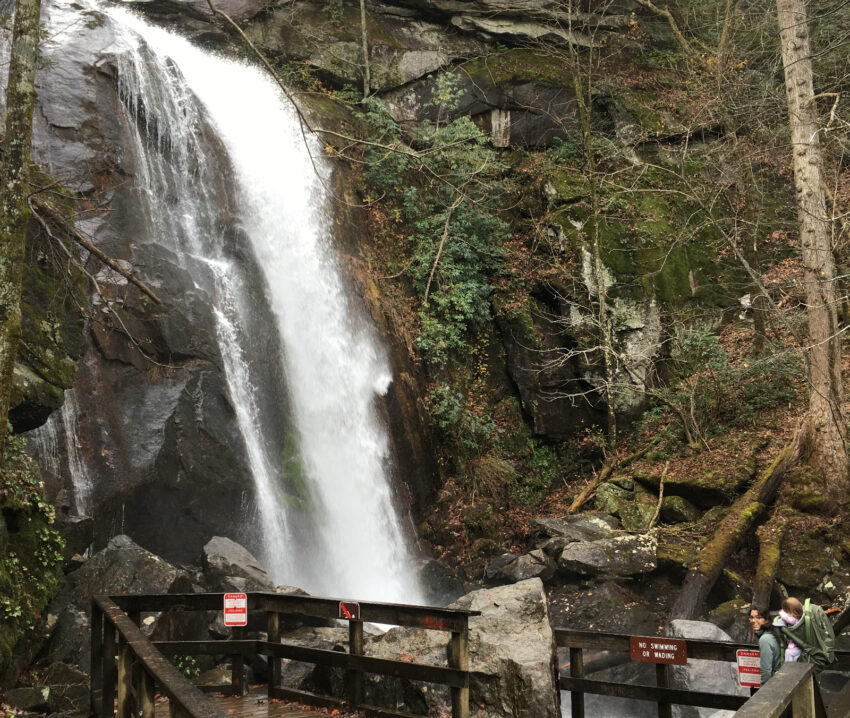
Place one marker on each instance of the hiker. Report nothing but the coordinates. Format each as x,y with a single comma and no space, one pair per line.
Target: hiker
769,645
790,615
814,635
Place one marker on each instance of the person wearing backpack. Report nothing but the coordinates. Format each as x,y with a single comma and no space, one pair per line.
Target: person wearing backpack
814,635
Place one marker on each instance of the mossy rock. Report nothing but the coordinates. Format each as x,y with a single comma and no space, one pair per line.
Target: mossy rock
675,552
705,490
636,515
677,510
805,489
805,560
610,499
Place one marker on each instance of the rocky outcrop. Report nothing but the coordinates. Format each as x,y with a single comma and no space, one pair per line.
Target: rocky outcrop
617,556
511,655
227,566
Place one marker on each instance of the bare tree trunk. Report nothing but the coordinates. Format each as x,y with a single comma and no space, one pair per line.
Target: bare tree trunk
826,397
14,186
367,81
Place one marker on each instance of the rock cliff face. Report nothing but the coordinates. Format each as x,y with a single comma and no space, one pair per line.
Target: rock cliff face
156,428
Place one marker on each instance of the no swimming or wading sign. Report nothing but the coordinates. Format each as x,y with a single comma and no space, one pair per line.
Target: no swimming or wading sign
648,649
235,609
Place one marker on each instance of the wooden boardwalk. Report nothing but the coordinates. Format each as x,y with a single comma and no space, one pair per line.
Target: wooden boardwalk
257,705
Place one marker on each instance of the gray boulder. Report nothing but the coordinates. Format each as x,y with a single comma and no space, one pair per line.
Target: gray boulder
509,568
439,584
28,698
229,566
512,656
580,527
512,651
700,675
616,556
64,644
69,688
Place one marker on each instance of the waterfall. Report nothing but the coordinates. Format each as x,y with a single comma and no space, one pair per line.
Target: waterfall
325,510
55,442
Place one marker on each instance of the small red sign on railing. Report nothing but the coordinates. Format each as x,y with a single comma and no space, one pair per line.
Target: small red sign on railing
235,609
647,649
749,667
349,610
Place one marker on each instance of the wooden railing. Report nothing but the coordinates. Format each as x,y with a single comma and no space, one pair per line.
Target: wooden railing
140,669
793,684
578,684
143,663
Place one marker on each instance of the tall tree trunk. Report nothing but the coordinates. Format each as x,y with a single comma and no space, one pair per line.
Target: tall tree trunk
826,395
14,186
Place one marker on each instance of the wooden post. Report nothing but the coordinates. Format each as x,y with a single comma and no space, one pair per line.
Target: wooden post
355,676
459,658
125,681
803,700
576,671
107,697
147,704
662,675
273,629
95,707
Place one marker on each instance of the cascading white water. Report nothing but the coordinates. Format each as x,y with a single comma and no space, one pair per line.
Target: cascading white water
333,365
56,443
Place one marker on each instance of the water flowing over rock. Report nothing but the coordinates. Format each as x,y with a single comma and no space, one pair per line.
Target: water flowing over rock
216,203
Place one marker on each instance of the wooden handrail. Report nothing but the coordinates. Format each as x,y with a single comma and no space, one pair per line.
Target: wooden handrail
705,650
134,648
793,684
578,684
111,616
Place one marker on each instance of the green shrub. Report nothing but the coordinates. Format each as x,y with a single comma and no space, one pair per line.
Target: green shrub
32,555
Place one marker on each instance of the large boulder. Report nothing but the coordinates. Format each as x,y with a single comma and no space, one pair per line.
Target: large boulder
512,656
509,568
617,556
224,562
701,675
512,652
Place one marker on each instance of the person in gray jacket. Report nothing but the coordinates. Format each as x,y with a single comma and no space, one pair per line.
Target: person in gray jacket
769,646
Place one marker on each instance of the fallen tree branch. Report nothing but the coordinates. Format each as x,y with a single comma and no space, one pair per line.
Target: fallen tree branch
88,246
734,527
605,472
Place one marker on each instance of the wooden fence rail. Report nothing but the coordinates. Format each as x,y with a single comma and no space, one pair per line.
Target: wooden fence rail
143,664
665,696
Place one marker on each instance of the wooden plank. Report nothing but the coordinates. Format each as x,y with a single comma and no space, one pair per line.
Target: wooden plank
273,633
354,676
328,702
459,659
107,696
577,671
96,668
706,650
771,699
803,700
147,703
662,680
652,693
445,619
207,648
399,669
125,681
184,697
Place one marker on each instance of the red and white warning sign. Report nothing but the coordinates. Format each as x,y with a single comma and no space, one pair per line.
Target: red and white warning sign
749,667
235,609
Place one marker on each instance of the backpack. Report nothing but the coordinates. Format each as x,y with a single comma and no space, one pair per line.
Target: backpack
814,635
